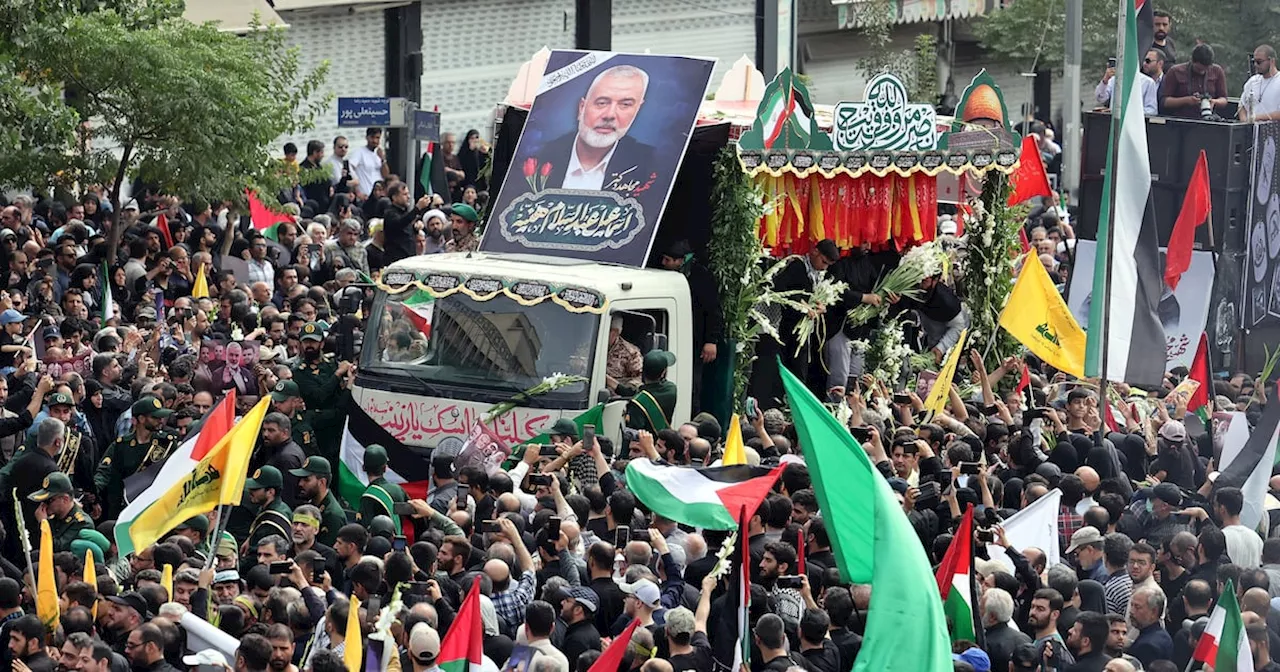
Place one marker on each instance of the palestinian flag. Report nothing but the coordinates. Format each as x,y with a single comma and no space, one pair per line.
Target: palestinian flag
407,466
463,647
1247,463
263,218
146,487
740,589
1199,402
955,581
1128,263
418,309
1224,644
708,498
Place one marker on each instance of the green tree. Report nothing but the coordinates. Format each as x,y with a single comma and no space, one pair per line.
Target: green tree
180,105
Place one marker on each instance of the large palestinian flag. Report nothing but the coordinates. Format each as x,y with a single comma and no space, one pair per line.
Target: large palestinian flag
955,581
709,498
407,466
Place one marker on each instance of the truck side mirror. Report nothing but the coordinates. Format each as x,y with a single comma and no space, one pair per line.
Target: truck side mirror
659,341
604,396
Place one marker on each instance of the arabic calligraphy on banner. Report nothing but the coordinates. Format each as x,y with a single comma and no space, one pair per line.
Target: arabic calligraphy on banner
418,421
884,120
586,222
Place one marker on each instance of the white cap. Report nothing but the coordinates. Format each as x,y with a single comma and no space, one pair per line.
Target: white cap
205,657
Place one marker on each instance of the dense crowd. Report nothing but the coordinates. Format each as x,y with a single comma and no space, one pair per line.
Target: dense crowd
109,364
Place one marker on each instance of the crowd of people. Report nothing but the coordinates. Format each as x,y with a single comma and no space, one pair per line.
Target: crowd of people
106,373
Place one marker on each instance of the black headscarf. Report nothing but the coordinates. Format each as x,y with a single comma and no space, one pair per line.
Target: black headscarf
472,161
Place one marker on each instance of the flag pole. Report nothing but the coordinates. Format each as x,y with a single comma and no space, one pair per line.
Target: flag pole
1116,112
219,527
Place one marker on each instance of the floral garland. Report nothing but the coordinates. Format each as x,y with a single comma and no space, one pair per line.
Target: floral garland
887,354
985,267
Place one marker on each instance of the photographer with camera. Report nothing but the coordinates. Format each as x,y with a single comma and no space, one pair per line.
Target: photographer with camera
1196,89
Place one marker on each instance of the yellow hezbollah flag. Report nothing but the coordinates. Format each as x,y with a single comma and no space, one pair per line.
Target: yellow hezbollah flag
942,385
734,453
91,578
46,587
201,288
166,580
1037,316
353,648
217,480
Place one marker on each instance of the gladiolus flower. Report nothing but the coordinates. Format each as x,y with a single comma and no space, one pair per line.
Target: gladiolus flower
530,167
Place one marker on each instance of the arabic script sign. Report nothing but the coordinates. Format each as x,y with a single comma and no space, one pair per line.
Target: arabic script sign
884,120
364,112
585,222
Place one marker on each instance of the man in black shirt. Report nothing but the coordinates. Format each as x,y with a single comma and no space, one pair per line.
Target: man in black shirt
687,643
26,644
771,639
577,609
820,654
1087,638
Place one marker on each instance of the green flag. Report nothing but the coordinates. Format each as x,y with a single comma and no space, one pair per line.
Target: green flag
873,543
591,416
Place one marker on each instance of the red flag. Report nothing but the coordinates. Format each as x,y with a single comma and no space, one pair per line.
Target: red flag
800,546
1200,372
612,656
1022,238
1025,381
162,223
1196,207
1109,417
1029,180
262,216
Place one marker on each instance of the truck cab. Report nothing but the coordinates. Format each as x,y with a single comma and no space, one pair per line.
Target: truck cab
450,335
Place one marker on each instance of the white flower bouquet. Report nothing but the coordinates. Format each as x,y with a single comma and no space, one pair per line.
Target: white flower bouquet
920,262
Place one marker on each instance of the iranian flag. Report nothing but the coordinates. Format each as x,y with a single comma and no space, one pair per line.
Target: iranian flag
784,103
418,309
709,498
1224,644
955,581
463,647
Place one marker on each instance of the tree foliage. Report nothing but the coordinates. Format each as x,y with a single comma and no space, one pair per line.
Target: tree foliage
150,95
1027,28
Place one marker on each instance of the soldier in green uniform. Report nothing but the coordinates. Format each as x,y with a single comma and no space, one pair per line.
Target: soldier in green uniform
58,505
655,402
313,485
380,498
321,379
285,398
146,444
273,515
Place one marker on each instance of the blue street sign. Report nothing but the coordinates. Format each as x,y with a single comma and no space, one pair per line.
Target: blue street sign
363,112
426,125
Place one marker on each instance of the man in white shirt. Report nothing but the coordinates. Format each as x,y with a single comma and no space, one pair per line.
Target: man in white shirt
1151,67
336,164
1244,546
1260,99
369,163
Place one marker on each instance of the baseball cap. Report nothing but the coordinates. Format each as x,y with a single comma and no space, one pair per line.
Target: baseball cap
11,316
61,399
585,596
375,457
150,407
265,477
205,657
1173,431
227,576
314,466
132,600
657,361
266,354
56,483
131,205
285,390
424,644
1083,537
197,523
564,427
311,331
644,590
680,621
50,332
1167,492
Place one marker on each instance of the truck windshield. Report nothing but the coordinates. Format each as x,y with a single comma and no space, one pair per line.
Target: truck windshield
496,344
